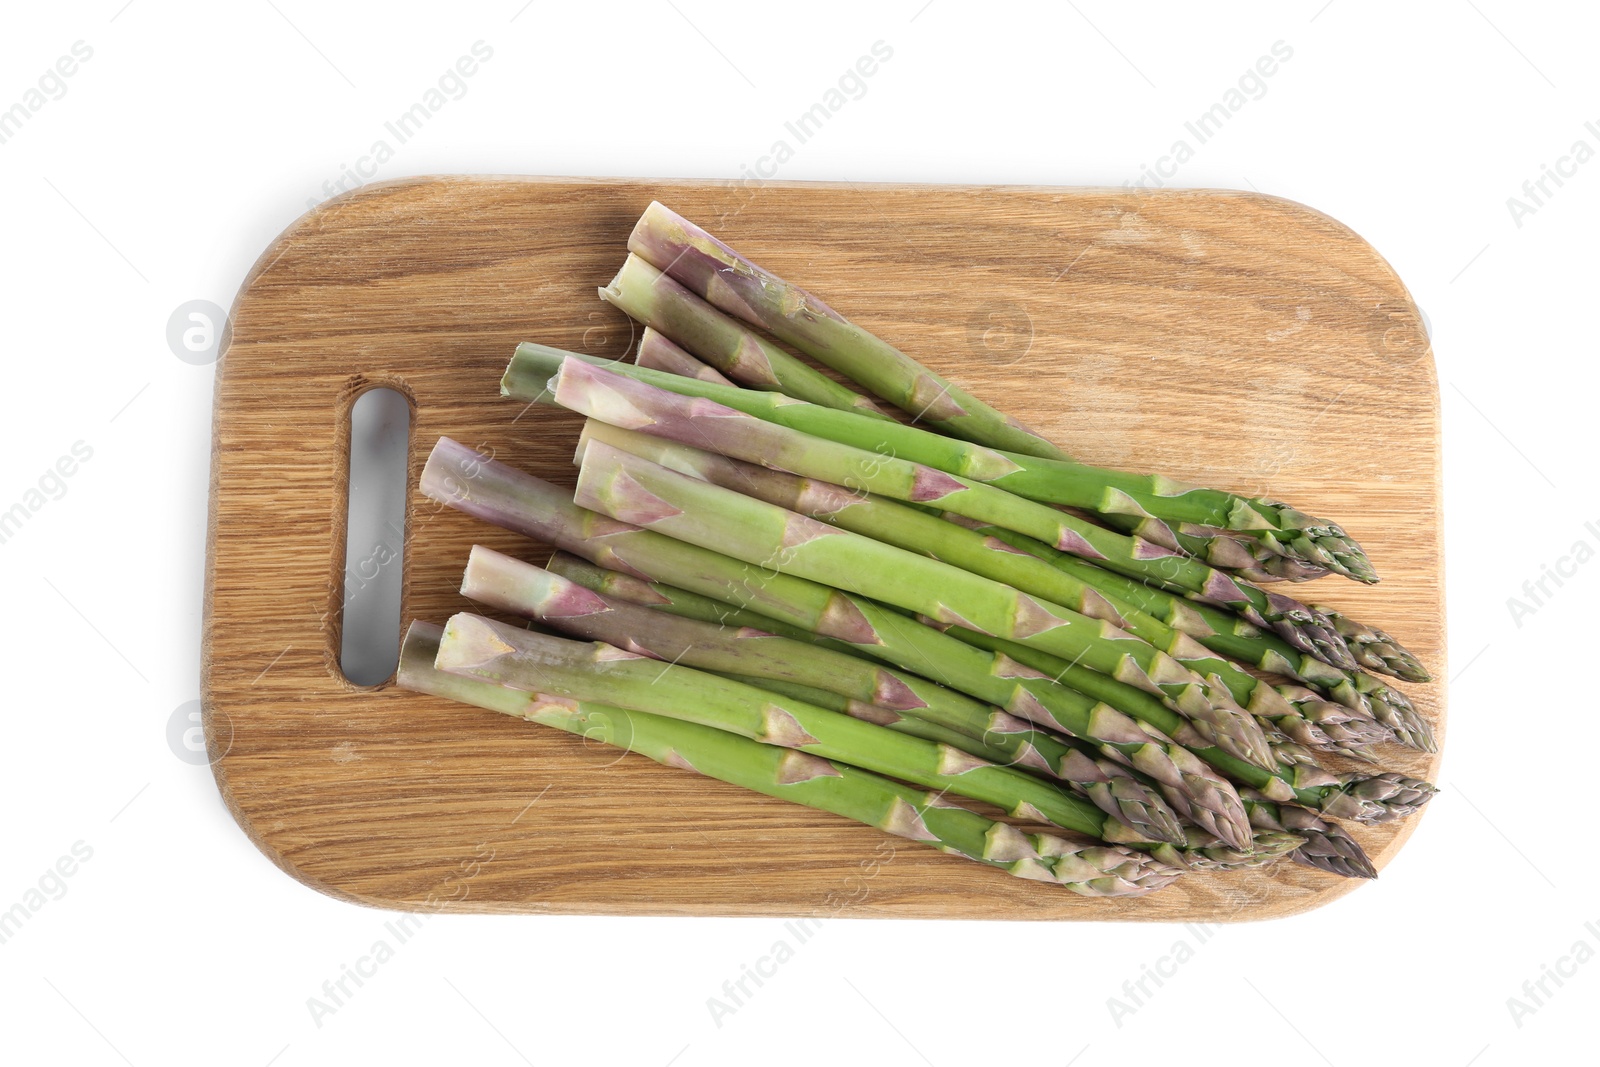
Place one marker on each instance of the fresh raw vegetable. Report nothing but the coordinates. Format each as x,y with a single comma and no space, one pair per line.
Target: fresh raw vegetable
1376,650
778,585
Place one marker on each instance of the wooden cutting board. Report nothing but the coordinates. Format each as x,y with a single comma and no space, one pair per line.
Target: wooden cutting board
1224,338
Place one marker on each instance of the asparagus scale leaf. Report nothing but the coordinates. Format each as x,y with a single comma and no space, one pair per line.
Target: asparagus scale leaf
658,353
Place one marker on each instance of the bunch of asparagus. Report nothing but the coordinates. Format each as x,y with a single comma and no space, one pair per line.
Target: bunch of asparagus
764,577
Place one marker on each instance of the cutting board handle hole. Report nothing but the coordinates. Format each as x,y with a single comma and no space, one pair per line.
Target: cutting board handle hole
375,535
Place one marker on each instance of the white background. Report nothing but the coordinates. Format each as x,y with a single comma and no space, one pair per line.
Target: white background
196,132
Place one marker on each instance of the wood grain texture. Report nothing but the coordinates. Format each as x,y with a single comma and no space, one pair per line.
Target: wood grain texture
1228,339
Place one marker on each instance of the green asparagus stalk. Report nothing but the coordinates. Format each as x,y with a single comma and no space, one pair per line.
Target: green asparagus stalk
727,280
1329,727
629,397
537,663
1205,522
644,293
1240,641
1107,785
635,490
1326,846
658,353
918,531
487,489
1376,650
1083,866
863,689
1394,710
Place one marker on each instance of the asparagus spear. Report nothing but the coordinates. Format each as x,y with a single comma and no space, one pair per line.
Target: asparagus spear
1297,778
1239,640
1106,784
863,689
1084,866
732,283
1394,709
1328,726
1205,522
635,490
658,353
1376,650
644,293
1326,846
537,663
624,395
918,531
459,477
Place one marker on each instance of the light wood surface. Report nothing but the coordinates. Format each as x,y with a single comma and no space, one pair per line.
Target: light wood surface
1228,339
